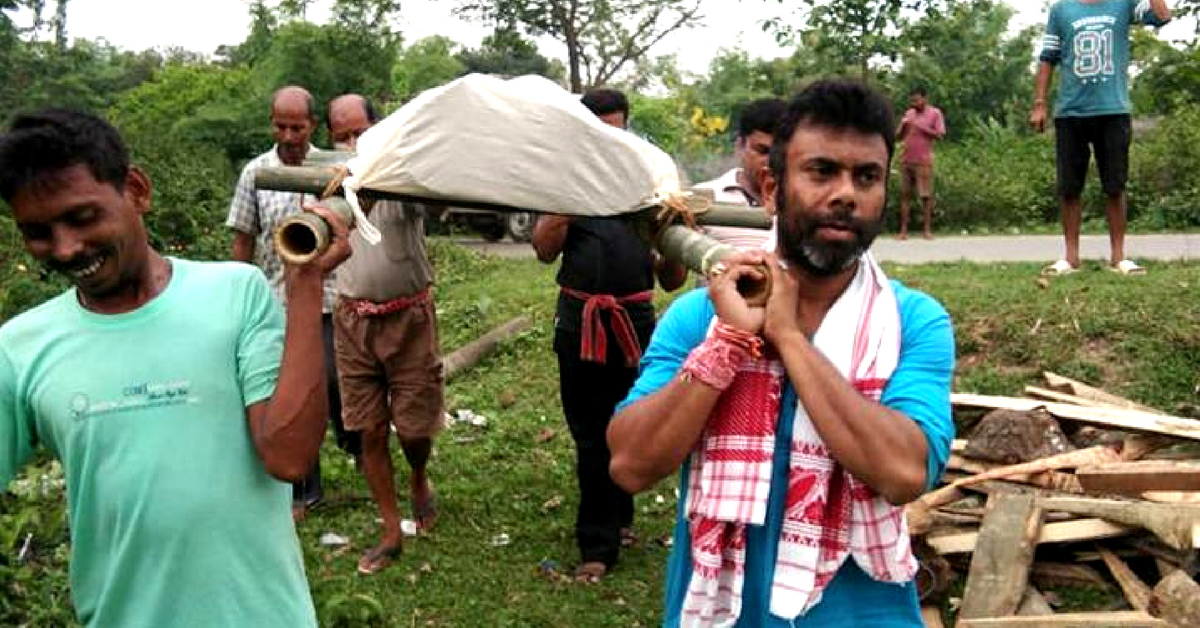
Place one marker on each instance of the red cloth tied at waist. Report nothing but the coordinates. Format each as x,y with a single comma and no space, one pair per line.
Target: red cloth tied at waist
595,342
363,307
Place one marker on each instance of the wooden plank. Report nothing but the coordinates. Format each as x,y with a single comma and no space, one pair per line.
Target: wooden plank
932,616
1116,619
1000,563
1176,524
1172,497
1049,575
1133,420
1177,600
1131,478
1135,590
1038,392
1061,532
1034,604
1093,394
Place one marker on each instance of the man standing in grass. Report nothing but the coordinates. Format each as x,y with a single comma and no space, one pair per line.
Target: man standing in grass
801,428
921,126
253,216
1090,40
605,315
385,332
171,391
743,185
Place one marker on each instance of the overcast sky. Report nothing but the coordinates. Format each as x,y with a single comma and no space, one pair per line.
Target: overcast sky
202,25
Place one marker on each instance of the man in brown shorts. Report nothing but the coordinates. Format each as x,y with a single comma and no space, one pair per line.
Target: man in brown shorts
387,349
922,125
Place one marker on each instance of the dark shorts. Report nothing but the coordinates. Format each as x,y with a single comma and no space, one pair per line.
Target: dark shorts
1077,138
389,370
917,177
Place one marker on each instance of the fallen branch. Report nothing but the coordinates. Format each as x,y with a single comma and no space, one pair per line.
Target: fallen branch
472,353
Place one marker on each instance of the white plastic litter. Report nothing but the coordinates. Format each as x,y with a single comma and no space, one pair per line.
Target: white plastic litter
523,142
333,539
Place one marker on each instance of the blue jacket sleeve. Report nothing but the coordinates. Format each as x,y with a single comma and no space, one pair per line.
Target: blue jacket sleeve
681,328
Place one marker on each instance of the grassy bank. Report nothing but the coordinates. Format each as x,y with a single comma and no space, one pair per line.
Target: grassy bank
507,489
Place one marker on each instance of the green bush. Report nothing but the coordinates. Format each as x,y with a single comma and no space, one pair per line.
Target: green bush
999,179
995,178
1164,181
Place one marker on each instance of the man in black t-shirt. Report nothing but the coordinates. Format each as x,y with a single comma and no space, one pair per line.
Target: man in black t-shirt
604,317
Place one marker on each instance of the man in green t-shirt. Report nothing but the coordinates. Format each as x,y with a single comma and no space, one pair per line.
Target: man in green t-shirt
1090,40
169,389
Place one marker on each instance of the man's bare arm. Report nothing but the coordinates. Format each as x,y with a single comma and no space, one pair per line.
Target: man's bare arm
651,437
883,448
243,247
1041,87
287,430
549,236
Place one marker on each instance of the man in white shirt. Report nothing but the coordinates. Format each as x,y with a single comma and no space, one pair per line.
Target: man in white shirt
743,185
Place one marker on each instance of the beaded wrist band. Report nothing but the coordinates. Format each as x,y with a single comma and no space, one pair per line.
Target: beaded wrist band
715,361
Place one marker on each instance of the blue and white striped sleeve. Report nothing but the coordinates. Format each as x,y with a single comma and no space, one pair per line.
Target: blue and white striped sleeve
1052,39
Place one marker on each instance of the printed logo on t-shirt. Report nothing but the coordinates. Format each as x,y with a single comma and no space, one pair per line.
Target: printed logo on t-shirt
133,398
1093,48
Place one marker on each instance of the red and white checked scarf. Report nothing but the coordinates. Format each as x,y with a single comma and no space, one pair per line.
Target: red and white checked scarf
829,515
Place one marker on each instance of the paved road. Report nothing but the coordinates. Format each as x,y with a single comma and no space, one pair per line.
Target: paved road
1022,248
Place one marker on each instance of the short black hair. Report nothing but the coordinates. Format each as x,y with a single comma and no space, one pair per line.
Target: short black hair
760,115
603,101
835,103
41,144
918,91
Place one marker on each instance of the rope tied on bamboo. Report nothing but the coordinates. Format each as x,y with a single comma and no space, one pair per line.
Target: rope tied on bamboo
680,208
340,173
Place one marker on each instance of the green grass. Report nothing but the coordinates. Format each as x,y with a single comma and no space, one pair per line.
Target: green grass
1134,336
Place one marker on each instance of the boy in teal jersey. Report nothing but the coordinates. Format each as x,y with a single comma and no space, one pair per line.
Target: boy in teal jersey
152,372
1090,40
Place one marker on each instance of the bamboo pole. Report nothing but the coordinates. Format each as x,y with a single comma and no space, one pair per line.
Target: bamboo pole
316,179
696,251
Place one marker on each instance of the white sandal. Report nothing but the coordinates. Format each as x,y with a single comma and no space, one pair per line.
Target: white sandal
1127,267
1059,268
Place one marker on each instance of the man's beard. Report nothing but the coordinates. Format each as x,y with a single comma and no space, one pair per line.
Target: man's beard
799,243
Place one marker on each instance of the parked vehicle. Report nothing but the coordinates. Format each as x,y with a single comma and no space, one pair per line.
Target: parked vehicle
493,225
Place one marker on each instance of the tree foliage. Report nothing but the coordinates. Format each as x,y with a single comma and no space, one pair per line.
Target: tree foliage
427,63
848,33
601,37
971,63
506,53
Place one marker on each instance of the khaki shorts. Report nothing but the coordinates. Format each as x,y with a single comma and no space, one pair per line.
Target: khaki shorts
919,176
389,369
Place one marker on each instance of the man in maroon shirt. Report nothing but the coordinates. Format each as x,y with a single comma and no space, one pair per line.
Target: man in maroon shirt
921,127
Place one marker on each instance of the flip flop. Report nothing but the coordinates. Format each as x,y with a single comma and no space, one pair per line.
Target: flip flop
590,572
377,559
1059,268
425,513
1127,267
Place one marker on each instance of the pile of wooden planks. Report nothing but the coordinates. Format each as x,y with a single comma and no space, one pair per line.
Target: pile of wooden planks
1069,485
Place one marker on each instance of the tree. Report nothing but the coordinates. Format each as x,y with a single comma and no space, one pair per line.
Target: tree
505,52
429,62
972,67
849,32
1167,77
601,36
